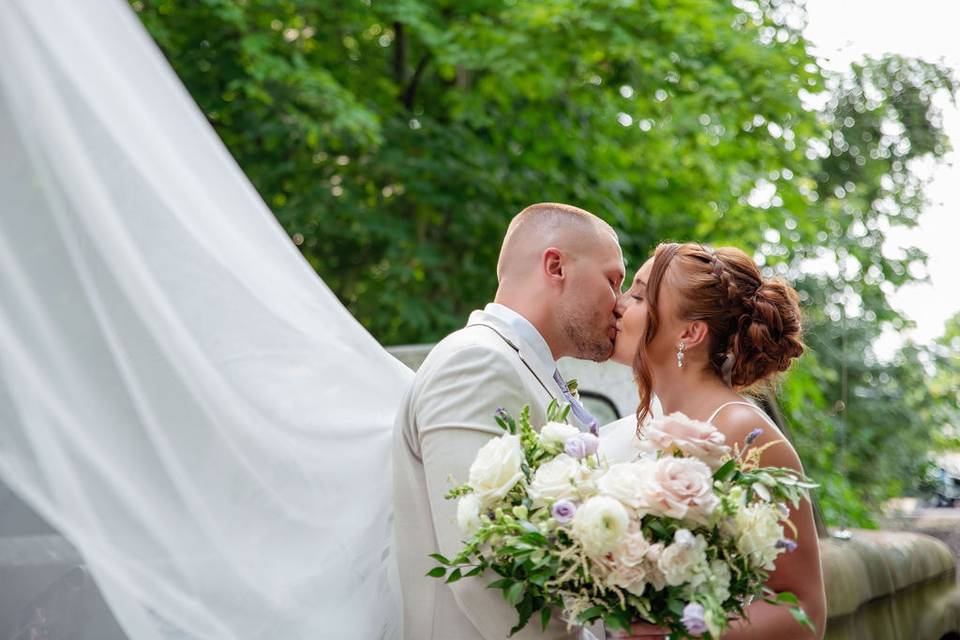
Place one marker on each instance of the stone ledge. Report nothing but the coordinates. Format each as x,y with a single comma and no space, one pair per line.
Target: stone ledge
875,564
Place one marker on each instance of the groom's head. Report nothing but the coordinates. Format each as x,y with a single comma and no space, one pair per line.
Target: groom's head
561,267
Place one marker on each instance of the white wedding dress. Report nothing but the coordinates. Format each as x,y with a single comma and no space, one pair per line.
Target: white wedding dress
180,394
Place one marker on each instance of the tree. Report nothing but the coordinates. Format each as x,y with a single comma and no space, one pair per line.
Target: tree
394,140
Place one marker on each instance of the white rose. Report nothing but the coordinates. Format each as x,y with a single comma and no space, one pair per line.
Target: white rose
555,479
680,488
468,514
496,469
600,525
625,481
757,530
557,433
683,560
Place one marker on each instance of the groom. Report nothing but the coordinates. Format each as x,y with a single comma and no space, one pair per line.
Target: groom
559,276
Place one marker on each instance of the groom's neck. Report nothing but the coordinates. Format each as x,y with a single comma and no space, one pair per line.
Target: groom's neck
536,315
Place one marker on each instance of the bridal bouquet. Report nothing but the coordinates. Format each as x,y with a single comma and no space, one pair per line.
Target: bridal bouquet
684,537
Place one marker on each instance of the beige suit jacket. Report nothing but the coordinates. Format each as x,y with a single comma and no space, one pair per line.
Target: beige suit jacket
446,417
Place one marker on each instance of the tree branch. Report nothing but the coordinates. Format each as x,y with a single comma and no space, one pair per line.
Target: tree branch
399,54
410,93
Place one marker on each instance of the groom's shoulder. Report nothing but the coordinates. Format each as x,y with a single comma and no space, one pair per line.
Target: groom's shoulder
473,342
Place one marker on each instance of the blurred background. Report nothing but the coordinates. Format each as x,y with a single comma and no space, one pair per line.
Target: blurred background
394,140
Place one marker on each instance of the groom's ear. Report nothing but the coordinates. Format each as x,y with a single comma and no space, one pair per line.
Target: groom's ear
552,263
695,333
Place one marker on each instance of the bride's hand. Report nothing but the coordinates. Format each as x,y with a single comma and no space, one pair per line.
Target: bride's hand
640,630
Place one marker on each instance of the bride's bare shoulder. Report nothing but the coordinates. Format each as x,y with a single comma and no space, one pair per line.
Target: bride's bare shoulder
738,421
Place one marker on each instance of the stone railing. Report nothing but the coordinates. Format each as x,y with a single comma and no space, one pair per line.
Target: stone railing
890,585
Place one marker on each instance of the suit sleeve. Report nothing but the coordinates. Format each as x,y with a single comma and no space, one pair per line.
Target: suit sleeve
454,420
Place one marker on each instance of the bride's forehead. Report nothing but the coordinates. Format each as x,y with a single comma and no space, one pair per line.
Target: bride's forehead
643,273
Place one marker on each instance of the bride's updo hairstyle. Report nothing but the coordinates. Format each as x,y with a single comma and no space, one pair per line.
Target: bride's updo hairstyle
752,320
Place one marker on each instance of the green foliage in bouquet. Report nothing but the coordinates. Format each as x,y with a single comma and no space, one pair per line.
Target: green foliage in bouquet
569,532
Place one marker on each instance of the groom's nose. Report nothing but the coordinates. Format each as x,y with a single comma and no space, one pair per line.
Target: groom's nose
619,306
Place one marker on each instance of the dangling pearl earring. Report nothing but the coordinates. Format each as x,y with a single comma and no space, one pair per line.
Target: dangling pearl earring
680,348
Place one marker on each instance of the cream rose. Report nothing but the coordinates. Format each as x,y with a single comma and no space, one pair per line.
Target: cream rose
468,513
757,530
680,488
557,433
600,525
554,480
677,432
496,469
626,481
685,560
654,575
630,566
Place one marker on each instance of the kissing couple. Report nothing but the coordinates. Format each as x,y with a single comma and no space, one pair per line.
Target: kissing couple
698,326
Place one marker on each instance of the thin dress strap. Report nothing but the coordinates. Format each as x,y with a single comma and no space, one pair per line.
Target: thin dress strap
749,404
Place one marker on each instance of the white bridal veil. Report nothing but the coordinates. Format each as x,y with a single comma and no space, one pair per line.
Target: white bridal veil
179,393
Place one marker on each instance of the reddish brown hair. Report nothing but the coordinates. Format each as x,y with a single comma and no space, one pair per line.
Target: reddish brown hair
754,320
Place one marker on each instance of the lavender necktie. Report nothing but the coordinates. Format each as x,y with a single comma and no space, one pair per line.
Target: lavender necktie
578,409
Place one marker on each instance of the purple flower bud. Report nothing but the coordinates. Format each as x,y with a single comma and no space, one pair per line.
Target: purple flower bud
563,511
575,447
753,435
787,544
593,428
694,619
590,442
500,412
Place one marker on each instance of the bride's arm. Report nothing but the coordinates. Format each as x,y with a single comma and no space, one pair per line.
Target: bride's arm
799,571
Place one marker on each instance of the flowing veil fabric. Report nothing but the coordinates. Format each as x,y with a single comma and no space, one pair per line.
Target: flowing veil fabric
179,393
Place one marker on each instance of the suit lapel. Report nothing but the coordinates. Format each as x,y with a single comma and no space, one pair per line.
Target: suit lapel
545,378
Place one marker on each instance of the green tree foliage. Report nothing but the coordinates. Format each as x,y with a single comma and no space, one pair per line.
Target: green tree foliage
865,427
394,139
398,137
945,387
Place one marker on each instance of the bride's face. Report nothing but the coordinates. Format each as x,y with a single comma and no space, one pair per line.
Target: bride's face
632,324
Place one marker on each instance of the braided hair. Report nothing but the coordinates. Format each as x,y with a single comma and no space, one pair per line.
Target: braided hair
754,324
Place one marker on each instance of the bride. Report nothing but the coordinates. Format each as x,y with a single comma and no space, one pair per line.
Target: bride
698,325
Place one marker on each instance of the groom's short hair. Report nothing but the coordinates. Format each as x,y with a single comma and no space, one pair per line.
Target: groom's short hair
544,218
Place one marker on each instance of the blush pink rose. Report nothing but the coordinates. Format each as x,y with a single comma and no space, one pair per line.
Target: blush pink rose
680,488
677,432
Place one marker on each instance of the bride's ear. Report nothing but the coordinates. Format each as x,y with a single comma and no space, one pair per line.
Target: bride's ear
695,333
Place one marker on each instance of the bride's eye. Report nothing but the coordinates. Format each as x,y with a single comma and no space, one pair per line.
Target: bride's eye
638,298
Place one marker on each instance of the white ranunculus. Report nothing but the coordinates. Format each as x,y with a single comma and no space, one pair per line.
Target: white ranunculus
496,469
600,525
684,559
468,514
555,480
757,530
625,481
557,433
